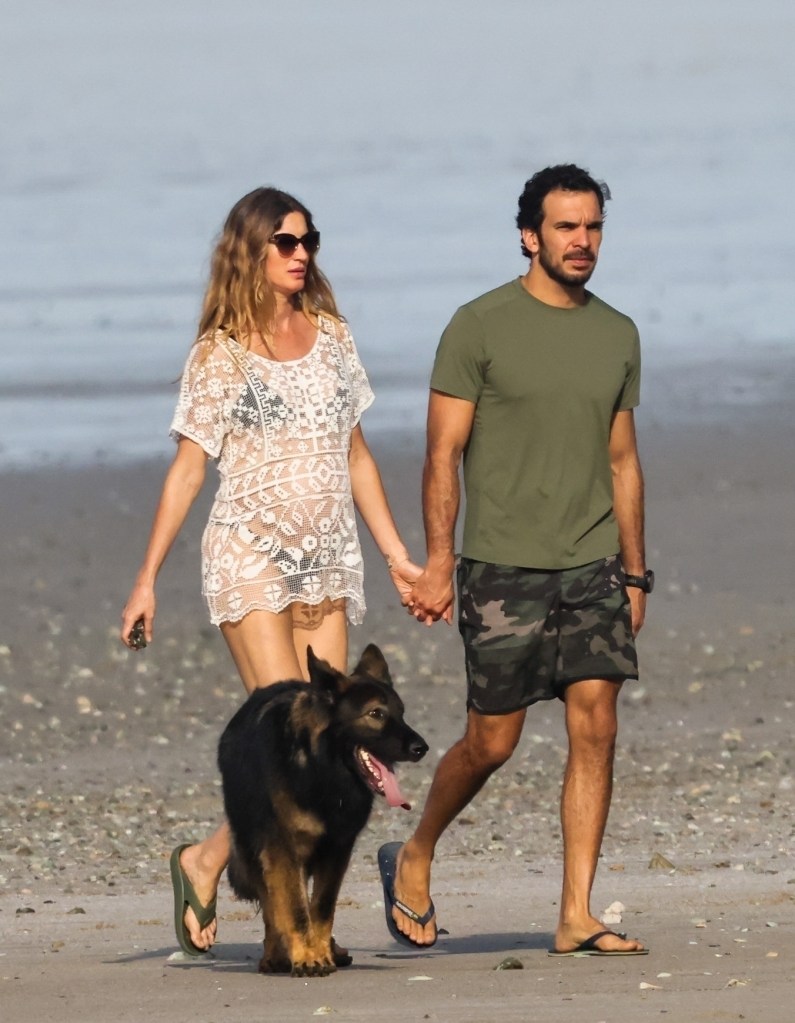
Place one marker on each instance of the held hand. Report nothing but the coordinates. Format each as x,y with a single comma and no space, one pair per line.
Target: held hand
404,574
433,597
140,605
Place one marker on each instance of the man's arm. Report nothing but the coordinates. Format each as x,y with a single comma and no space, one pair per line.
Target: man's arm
449,426
628,505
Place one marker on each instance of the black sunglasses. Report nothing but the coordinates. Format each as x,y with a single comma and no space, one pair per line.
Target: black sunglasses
288,243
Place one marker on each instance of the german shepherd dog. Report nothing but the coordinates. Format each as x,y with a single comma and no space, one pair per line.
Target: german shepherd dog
299,765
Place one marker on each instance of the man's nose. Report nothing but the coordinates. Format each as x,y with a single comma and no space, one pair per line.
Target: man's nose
581,238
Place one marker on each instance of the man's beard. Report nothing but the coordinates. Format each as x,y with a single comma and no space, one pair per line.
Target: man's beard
559,275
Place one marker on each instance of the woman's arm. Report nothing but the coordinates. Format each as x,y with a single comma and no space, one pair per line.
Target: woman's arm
371,502
183,482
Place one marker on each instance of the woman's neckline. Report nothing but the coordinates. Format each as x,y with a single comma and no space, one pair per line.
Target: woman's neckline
284,362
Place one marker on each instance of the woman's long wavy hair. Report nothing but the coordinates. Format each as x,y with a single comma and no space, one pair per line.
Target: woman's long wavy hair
238,301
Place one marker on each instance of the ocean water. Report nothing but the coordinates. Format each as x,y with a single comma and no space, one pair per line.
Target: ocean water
408,129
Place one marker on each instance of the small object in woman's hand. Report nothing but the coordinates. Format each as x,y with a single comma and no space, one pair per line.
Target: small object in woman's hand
137,640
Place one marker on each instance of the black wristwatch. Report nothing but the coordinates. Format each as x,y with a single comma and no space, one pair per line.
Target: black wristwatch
643,582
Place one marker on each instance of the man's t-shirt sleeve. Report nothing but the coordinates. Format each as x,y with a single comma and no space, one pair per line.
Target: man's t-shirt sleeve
630,393
458,367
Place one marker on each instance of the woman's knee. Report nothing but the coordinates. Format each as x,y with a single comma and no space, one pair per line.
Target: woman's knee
262,647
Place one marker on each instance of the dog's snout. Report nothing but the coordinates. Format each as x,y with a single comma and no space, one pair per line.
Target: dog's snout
418,748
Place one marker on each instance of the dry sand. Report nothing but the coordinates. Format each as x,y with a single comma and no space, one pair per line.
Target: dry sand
108,762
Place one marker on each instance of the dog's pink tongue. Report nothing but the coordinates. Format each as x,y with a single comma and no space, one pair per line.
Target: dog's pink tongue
392,791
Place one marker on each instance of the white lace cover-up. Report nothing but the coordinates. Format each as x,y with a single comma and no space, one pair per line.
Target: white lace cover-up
282,528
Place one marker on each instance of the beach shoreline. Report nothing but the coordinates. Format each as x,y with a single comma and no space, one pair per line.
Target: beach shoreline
108,762
62,427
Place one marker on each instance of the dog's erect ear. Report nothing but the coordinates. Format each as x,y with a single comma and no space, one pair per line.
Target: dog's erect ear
372,663
321,673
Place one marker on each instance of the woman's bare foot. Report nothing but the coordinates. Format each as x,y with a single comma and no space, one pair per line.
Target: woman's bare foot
205,885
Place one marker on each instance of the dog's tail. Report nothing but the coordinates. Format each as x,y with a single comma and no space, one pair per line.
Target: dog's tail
243,884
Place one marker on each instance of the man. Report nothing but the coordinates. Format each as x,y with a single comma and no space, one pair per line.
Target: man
534,385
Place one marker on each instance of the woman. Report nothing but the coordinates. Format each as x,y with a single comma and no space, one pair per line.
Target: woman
273,390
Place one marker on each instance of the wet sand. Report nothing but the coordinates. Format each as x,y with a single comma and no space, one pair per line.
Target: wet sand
108,762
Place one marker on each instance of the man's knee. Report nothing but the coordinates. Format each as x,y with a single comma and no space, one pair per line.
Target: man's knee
491,739
591,714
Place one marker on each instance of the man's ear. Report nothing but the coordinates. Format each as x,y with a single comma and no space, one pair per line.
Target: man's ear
530,241
373,663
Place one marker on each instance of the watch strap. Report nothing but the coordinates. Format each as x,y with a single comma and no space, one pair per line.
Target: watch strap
642,582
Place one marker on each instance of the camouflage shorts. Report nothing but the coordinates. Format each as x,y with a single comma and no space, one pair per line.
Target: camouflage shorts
529,633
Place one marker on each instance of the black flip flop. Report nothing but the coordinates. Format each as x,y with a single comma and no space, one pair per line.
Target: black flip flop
589,948
387,865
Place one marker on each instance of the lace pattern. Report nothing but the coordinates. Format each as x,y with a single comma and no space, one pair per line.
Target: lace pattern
282,527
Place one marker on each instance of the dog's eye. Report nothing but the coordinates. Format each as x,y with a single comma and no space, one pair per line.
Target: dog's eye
377,714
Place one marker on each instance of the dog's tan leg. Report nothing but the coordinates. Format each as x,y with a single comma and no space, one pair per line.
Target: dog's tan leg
289,919
328,879
274,956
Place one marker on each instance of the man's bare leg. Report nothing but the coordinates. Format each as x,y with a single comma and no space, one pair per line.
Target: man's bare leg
488,742
591,723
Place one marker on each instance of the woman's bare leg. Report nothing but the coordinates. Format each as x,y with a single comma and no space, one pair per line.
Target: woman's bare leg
325,629
263,648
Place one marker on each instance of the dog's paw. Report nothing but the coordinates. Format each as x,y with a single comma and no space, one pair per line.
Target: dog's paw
274,965
313,968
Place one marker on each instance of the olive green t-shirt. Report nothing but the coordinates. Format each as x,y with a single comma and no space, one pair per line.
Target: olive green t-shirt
547,383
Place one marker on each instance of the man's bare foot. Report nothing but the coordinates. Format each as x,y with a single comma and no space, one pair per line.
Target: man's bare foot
205,887
570,937
413,888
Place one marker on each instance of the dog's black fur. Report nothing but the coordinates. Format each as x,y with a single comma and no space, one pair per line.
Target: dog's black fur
297,794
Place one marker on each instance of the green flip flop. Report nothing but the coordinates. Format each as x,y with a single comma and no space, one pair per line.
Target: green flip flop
185,895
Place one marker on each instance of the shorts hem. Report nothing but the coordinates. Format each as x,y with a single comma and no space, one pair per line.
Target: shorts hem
560,686
600,676
512,710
